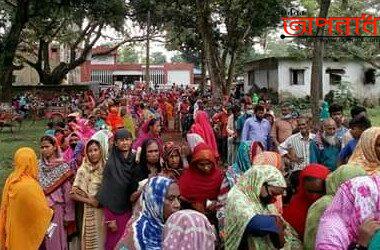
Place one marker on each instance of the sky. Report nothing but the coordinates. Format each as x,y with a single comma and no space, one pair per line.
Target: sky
133,31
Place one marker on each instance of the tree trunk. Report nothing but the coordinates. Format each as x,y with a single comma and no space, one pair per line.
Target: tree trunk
147,55
8,52
316,88
210,47
203,72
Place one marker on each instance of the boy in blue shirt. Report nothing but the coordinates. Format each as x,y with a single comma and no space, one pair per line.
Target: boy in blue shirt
357,126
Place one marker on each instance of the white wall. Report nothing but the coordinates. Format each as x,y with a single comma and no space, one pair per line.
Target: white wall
284,77
354,73
179,77
264,78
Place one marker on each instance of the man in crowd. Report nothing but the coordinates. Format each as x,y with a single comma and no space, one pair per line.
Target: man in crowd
356,111
256,128
325,148
283,127
247,112
220,121
336,113
297,147
357,126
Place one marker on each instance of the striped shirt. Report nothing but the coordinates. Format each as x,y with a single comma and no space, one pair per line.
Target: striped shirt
301,147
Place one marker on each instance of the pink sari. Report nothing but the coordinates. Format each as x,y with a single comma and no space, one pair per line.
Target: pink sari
355,201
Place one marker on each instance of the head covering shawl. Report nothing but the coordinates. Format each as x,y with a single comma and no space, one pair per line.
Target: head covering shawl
102,136
54,173
23,230
243,203
268,158
188,229
203,128
272,159
145,232
118,179
196,186
295,213
333,182
245,154
355,201
88,185
169,149
365,153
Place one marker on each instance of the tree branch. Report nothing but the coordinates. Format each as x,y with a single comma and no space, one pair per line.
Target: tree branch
10,3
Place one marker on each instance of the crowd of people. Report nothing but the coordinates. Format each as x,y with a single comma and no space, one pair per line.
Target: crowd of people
237,177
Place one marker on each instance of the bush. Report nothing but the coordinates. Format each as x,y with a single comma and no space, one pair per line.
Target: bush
342,96
266,94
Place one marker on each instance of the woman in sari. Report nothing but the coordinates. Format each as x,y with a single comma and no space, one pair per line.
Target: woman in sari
129,122
117,186
54,177
333,182
160,199
114,120
173,165
188,229
252,221
355,201
247,151
150,161
244,157
203,128
86,185
24,213
150,130
272,159
367,151
311,188
200,183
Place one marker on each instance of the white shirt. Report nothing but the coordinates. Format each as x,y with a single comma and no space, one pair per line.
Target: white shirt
301,147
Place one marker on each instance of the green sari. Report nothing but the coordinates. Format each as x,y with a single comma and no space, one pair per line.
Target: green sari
243,204
333,182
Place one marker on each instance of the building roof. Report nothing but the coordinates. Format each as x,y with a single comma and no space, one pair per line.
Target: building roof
103,48
290,58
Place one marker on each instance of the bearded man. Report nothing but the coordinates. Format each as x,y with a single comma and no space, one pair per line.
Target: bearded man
325,148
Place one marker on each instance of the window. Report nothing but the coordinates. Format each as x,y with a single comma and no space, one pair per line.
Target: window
335,75
251,78
54,50
370,76
297,76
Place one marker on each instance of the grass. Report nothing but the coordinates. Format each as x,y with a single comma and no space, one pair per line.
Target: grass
374,115
30,134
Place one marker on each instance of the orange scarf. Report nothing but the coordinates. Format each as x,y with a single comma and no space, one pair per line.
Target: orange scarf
24,213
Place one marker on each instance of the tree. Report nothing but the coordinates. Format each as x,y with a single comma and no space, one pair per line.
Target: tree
177,58
77,27
17,14
158,58
316,87
223,27
127,54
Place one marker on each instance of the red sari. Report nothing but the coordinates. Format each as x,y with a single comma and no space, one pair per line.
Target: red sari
196,186
296,212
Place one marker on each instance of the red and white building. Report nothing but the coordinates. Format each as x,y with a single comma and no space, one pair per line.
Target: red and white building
106,69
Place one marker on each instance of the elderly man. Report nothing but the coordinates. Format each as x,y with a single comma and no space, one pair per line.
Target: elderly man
325,148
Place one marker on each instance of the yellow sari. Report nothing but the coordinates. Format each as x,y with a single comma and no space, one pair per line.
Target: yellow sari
24,214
